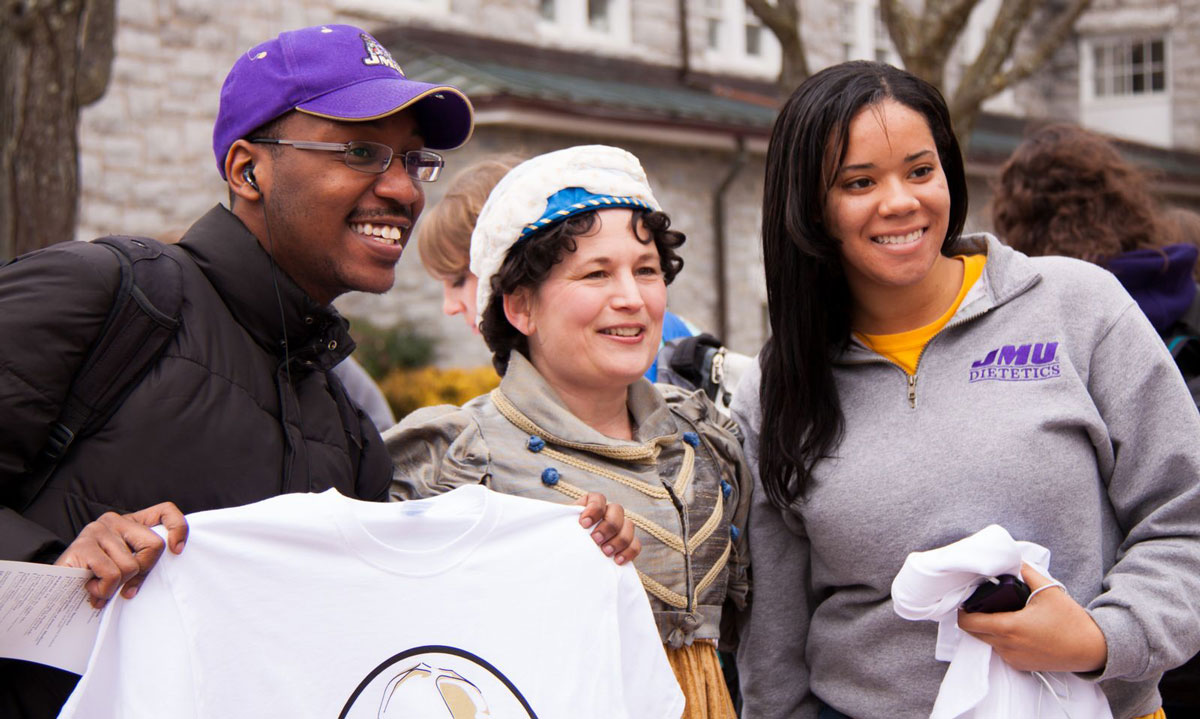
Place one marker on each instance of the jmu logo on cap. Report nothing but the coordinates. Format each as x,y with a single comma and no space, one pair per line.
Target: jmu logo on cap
377,54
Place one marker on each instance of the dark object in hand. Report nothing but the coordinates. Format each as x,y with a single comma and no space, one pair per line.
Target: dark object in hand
1005,593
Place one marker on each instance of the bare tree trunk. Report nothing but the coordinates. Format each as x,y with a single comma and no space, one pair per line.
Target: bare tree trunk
55,56
925,43
998,67
782,18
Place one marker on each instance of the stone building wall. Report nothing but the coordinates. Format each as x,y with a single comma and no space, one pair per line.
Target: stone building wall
147,164
1185,76
146,157
1054,91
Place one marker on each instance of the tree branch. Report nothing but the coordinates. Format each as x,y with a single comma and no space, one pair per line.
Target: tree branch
782,18
925,42
96,50
947,21
997,48
1024,66
902,27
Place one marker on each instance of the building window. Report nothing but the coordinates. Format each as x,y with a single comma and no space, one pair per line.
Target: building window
713,26
862,33
883,41
598,19
736,37
595,22
754,40
1125,86
1129,67
847,30
754,31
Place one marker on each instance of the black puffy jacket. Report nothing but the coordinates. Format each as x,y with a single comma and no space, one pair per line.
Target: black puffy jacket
221,420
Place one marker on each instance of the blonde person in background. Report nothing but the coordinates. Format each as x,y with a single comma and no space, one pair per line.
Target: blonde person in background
444,241
574,257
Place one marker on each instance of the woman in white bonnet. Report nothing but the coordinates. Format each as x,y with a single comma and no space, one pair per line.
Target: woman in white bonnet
574,257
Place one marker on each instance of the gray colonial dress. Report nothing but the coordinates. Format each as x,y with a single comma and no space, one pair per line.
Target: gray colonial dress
682,481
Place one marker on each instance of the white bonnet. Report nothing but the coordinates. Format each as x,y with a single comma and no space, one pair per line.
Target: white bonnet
531,196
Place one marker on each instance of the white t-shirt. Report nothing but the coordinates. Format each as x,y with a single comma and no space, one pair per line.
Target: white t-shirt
471,604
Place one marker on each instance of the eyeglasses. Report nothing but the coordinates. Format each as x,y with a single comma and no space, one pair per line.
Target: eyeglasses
372,157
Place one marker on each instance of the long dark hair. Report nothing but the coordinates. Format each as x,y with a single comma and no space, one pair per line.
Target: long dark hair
808,300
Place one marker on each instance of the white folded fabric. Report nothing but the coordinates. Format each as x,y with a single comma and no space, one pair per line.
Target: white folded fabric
979,684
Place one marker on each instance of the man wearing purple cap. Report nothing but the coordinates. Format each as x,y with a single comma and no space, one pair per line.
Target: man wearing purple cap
324,144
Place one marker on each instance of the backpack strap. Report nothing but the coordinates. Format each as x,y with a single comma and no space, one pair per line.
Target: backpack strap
1184,345
144,316
695,360
1183,342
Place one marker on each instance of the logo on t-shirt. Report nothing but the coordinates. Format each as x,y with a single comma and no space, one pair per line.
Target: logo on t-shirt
436,682
1018,363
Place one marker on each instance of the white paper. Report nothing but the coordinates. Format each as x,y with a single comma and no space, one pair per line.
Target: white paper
45,616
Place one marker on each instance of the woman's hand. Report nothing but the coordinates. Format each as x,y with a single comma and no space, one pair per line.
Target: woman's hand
121,549
613,531
1052,633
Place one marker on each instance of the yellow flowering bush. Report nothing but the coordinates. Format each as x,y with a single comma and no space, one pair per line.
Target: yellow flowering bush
410,389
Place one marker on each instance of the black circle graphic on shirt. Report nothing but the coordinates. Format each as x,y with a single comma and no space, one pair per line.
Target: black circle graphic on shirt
433,649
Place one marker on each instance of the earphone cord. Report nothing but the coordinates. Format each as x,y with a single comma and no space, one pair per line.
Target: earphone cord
287,357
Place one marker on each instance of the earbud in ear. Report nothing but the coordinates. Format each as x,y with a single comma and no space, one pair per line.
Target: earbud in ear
248,176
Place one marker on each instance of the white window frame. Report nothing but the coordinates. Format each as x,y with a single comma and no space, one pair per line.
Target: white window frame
867,38
1144,116
1110,43
731,52
881,40
750,20
848,25
570,24
713,12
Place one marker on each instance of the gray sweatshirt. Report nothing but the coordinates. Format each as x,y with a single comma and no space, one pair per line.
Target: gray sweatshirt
1048,405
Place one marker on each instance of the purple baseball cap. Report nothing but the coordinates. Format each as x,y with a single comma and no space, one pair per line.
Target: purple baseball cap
338,72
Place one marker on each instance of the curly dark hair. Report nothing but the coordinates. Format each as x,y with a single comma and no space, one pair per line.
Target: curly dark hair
1067,191
530,260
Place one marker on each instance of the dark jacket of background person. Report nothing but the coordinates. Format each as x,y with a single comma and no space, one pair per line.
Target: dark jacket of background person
1068,191
203,429
1160,280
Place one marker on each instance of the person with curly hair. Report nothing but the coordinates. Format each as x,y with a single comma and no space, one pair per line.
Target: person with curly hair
573,256
444,244
1068,191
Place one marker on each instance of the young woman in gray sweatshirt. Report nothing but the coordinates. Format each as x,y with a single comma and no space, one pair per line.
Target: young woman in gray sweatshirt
920,385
